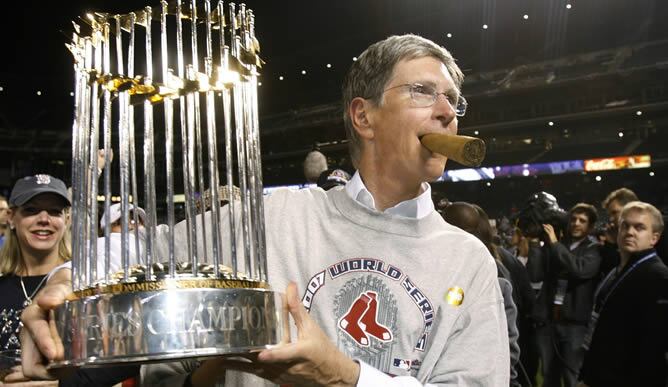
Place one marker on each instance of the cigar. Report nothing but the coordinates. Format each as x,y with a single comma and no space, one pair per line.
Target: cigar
469,151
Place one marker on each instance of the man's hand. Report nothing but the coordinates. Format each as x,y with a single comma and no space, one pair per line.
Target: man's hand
39,339
611,233
101,159
551,235
312,360
523,246
17,379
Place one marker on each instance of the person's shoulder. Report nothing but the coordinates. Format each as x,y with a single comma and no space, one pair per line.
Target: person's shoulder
659,269
651,281
5,279
455,235
291,193
591,241
505,254
650,277
293,199
467,246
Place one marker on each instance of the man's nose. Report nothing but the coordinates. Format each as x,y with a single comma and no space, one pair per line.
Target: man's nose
444,110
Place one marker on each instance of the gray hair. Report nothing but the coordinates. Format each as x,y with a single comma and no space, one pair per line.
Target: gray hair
369,75
654,213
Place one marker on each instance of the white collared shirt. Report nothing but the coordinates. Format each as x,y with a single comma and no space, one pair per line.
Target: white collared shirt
417,208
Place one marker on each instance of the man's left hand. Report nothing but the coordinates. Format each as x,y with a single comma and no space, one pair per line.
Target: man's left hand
17,379
312,360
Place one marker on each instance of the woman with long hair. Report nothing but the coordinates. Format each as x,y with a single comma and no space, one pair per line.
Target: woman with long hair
36,243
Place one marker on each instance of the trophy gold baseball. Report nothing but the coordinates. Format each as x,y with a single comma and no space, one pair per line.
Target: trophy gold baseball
195,285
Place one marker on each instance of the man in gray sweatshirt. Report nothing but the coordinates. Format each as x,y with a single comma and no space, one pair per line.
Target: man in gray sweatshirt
381,289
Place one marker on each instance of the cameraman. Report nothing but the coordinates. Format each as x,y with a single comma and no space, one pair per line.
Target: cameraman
568,269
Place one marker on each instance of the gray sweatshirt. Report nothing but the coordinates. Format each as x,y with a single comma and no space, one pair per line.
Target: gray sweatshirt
417,299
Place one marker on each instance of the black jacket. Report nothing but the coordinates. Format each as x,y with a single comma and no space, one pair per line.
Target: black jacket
609,258
579,267
630,341
523,294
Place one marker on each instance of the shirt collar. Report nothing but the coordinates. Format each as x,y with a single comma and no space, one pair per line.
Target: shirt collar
417,208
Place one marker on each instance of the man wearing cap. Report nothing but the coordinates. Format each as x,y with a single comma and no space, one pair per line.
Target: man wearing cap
134,244
333,178
383,292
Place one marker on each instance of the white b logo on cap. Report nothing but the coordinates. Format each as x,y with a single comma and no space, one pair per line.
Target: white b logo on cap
43,179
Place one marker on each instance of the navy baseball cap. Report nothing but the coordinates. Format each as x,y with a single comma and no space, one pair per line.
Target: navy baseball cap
31,186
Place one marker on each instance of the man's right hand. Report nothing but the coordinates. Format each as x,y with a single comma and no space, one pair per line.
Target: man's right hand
523,247
40,342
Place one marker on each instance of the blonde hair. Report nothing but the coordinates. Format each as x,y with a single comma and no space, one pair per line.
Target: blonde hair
654,213
11,258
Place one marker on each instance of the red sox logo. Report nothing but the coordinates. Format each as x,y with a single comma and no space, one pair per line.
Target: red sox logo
361,320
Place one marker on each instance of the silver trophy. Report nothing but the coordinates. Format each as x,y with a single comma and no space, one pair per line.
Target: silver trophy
197,285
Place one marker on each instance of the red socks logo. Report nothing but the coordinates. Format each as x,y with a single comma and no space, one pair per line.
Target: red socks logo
361,320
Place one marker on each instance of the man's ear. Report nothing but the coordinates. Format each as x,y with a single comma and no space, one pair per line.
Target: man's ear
359,111
655,238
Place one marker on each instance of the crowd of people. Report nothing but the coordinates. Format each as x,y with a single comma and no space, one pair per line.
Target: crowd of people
463,309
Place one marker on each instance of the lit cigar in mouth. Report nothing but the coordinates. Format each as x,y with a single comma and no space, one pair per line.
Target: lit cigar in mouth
469,151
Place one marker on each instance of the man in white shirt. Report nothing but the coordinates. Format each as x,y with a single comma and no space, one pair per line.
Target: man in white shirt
135,246
425,308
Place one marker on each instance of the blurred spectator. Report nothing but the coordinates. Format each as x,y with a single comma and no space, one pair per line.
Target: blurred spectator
135,247
35,244
332,178
223,197
441,204
4,217
613,205
505,230
314,164
627,339
519,246
524,296
473,219
568,269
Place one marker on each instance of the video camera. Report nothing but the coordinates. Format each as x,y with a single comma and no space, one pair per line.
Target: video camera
541,208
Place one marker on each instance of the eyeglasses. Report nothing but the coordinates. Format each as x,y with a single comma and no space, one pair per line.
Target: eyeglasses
425,96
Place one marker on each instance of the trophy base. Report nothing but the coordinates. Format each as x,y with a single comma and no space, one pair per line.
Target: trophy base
169,320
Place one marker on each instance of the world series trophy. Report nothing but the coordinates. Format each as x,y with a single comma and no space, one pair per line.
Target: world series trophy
188,288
